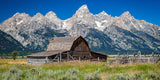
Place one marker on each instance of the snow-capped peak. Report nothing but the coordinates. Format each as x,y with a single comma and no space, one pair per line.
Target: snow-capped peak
83,10
50,14
126,14
38,15
83,7
21,14
16,14
103,13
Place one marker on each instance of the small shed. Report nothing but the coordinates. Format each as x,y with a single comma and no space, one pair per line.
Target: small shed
66,49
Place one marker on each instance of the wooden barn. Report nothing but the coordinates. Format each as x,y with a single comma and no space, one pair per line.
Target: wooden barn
66,49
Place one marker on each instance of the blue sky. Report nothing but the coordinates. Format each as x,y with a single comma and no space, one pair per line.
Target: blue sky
148,10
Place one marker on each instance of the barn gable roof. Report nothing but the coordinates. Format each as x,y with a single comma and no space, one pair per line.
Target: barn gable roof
62,43
58,45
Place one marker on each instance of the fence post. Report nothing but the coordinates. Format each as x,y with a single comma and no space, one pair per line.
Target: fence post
149,60
139,56
79,58
47,59
130,61
60,57
67,56
118,58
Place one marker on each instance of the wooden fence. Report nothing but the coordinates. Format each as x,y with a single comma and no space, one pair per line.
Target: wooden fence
126,59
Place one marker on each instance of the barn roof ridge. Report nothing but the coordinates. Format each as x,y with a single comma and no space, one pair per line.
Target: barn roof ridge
62,43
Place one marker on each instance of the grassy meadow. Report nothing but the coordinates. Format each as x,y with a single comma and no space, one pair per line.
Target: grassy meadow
77,70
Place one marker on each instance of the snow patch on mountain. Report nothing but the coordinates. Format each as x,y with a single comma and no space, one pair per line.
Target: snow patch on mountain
99,25
105,21
20,22
141,26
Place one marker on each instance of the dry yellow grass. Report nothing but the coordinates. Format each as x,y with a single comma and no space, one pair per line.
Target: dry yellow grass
86,66
11,61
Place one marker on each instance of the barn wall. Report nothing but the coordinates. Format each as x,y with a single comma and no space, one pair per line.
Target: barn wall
101,57
80,48
36,60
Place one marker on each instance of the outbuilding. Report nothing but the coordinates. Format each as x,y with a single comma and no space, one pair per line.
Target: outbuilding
66,49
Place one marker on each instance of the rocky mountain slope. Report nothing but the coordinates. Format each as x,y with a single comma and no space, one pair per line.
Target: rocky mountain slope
103,32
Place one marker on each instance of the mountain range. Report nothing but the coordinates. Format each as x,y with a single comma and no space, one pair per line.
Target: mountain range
104,33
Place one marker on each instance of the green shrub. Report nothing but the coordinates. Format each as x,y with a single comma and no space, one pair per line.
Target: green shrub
137,76
92,76
13,74
35,74
42,74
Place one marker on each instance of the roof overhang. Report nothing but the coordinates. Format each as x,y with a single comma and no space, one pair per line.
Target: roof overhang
46,53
